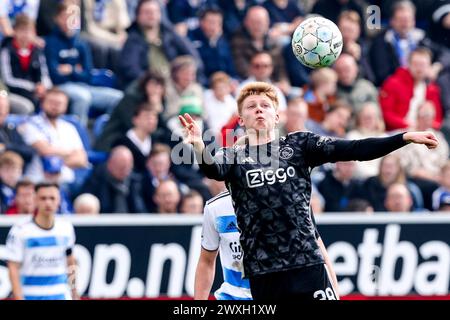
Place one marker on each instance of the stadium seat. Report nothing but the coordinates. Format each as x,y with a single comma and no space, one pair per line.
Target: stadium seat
99,124
94,157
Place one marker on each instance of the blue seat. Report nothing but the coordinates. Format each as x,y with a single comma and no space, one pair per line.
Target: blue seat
16,119
94,157
99,124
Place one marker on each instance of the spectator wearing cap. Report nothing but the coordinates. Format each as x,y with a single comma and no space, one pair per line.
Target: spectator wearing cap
211,44
183,83
24,199
52,136
443,192
11,169
10,138
86,203
115,184
152,44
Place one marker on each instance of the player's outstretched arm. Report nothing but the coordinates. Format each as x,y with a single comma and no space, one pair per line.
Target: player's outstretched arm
72,267
204,274
14,278
324,149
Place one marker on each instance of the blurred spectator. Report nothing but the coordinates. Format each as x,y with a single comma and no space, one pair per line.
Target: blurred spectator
254,37
211,44
335,122
152,44
192,203
70,65
52,167
331,9
106,22
297,73
261,69
167,197
349,23
441,196
86,203
350,88
24,199
183,84
10,138
218,102
285,16
398,198
18,104
422,162
11,169
115,185
51,136
148,89
184,162
404,91
338,187
439,28
24,67
233,14
10,9
359,206
369,123
322,92
391,172
296,116
139,138
184,14
157,170
391,48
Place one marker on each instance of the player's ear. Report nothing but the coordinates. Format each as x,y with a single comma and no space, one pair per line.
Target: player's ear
241,121
277,118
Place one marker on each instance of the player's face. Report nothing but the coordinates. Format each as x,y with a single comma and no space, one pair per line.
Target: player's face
47,200
258,113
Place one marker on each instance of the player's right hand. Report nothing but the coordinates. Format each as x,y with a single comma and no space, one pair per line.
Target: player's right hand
192,133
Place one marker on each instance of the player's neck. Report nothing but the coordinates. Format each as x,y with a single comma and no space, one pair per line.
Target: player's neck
260,137
44,221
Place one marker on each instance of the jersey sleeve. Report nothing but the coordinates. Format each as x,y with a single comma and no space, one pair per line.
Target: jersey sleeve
216,167
14,245
210,236
323,149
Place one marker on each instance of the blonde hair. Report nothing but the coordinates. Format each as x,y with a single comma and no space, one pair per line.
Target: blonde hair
323,75
257,88
11,158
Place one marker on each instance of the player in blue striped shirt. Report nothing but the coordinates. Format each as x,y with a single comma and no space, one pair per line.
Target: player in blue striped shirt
39,252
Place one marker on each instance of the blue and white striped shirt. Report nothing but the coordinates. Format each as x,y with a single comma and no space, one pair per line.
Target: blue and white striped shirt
42,254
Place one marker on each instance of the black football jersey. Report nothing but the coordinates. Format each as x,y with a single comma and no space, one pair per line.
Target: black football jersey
270,185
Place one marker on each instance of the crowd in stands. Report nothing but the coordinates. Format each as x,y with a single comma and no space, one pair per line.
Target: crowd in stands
91,90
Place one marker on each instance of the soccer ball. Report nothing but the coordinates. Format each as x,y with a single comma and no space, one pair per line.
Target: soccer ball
317,42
